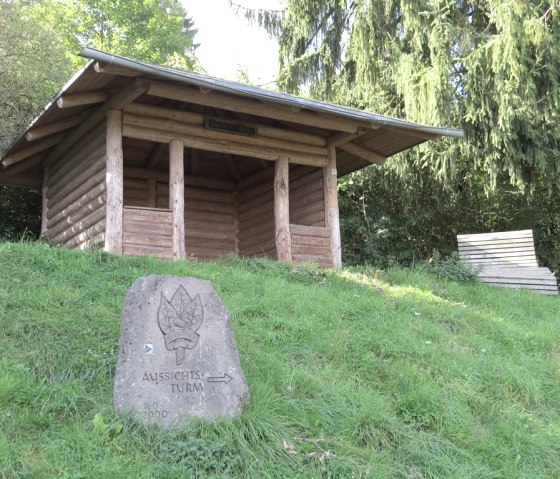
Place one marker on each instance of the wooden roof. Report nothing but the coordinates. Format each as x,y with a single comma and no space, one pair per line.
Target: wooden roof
106,81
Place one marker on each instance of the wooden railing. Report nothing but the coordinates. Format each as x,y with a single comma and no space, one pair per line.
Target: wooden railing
311,243
148,232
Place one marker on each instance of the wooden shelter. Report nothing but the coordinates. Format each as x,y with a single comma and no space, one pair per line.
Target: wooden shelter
142,159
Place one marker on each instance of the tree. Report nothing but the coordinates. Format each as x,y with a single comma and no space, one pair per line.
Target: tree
491,67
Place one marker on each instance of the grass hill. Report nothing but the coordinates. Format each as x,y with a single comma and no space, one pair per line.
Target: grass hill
352,374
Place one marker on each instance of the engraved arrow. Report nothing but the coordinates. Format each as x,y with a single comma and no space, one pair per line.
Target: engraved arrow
226,378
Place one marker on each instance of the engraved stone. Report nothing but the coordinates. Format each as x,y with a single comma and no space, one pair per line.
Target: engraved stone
177,353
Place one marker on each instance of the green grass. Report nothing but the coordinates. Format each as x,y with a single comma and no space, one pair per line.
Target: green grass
352,374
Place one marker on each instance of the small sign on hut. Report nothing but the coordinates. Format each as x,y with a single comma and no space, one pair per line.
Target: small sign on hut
145,160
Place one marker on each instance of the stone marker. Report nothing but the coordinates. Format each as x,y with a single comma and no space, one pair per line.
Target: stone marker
177,353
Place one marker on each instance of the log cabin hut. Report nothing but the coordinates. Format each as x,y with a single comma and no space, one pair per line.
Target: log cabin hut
141,159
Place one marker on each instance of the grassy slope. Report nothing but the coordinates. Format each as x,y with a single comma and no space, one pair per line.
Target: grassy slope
352,374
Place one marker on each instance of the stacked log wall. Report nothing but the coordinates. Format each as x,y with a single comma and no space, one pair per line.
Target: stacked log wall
76,193
307,202
255,206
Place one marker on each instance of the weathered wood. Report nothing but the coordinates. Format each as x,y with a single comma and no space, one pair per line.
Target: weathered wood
115,187
314,231
29,151
63,185
21,166
251,107
83,224
190,180
198,120
312,249
363,153
77,215
313,219
90,144
70,100
206,134
89,237
148,231
104,68
282,210
311,241
331,207
340,138
145,250
177,197
95,198
53,127
95,184
508,260
256,178
233,146
117,101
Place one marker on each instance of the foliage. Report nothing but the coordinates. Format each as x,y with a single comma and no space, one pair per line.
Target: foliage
452,268
27,81
352,373
491,67
20,213
149,30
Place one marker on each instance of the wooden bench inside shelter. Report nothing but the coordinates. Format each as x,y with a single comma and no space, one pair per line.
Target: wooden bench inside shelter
507,259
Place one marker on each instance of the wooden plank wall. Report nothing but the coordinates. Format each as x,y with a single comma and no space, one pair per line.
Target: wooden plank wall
210,213
76,193
148,231
311,244
307,202
210,220
255,206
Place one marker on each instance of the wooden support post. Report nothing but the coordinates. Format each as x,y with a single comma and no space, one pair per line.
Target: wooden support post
331,206
282,210
115,187
177,197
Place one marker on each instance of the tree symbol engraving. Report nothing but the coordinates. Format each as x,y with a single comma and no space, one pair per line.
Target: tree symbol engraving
178,320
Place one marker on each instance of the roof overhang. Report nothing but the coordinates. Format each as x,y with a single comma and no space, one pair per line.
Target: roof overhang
361,137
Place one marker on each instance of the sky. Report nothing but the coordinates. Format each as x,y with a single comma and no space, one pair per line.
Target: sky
228,44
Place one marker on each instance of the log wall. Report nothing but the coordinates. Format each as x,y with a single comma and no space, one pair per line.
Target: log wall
255,207
307,203
76,193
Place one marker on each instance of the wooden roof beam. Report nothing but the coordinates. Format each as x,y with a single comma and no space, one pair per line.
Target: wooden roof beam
363,153
117,101
92,97
252,107
35,148
340,138
23,165
104,68
52,127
